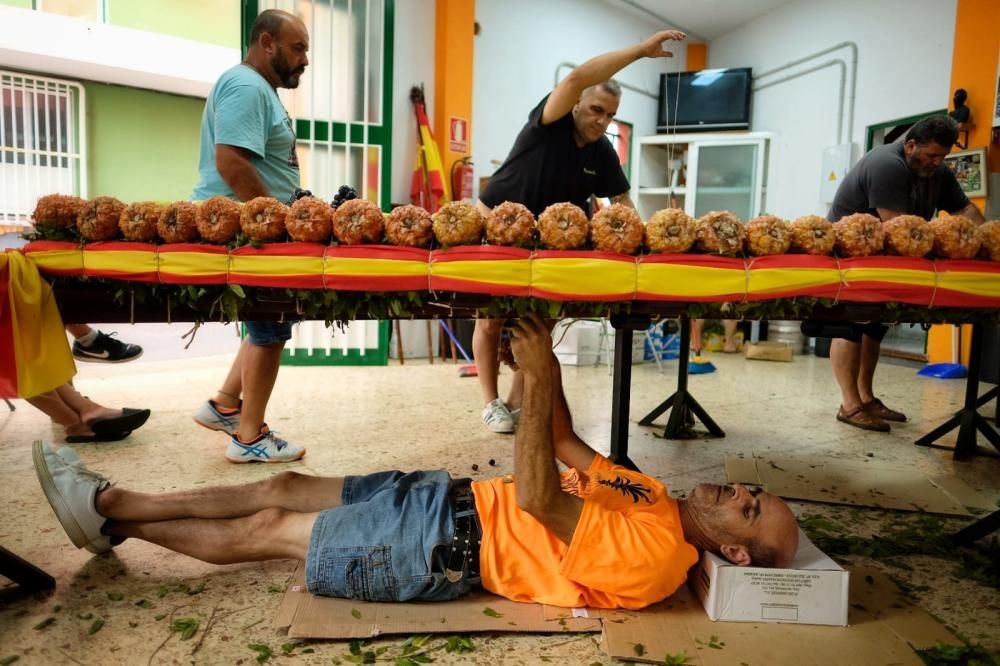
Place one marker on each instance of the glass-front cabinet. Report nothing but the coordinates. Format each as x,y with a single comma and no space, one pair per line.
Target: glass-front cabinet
701,173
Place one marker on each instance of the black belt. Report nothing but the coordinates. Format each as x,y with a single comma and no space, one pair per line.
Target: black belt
463,556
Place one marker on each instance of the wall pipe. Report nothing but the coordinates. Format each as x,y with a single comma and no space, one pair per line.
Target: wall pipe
829,63
854,77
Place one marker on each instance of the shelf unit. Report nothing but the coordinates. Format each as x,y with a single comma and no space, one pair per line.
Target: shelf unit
702,172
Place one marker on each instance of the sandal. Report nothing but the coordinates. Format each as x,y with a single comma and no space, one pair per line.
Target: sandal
859,418
877,409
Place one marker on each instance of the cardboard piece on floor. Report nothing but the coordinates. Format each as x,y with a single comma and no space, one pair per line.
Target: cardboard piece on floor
857,483
884,624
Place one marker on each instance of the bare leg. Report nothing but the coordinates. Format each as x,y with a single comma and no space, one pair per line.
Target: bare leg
260,370
66,407
730,327
78,330
696,326
232,388
266,535
870,349
485,341
516,392
845,357
55,408
288,490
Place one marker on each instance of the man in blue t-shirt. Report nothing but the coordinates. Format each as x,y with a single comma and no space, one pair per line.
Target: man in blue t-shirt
561,154
248,151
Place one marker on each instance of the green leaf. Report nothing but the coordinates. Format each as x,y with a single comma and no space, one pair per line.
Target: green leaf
288,648
95,627
355,647
115,596
144,603
678,659
459,644
238,290
197,589
489,612
44,624
355,613
160,617
186,626
264,652
10,659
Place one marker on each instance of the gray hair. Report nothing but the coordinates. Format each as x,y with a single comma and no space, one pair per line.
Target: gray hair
610,86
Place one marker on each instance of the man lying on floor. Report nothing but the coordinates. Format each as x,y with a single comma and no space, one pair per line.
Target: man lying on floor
597,535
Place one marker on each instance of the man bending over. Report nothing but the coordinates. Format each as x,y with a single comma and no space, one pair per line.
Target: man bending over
595,535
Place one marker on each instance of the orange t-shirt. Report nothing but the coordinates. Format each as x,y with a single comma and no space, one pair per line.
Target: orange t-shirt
628,550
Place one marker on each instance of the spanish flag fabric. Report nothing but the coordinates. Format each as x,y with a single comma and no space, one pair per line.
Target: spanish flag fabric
34,355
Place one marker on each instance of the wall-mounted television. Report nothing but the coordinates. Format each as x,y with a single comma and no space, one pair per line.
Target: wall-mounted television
709,100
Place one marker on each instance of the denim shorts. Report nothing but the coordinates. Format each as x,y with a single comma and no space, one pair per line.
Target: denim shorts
389,541
269,332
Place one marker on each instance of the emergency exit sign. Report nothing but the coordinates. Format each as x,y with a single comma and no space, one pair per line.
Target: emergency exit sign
458,135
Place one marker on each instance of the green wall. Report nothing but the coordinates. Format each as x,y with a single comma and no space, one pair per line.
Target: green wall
211,21
21,4
141,144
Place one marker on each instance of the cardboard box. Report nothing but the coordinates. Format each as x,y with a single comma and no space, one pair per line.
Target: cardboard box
769,351
812,590
579,342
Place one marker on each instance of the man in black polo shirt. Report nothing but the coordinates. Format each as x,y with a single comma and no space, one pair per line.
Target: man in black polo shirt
561,154
907,178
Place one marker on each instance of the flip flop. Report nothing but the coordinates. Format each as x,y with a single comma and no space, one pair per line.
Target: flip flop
129,420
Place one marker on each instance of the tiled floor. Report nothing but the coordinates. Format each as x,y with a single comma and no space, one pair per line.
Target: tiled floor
355,420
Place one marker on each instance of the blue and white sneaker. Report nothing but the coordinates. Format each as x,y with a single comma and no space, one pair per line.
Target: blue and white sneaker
267,447
209,416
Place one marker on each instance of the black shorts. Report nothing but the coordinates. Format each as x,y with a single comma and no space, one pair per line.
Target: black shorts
848,330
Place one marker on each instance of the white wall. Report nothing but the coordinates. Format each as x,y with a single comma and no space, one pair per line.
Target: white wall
520,44
413,64
904,68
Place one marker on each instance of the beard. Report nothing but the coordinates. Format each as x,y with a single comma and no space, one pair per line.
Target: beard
289,77
917,169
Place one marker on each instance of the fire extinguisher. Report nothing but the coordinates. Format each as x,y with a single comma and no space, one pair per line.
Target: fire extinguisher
461,179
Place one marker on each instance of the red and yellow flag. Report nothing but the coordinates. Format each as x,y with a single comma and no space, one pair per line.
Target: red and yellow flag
34,354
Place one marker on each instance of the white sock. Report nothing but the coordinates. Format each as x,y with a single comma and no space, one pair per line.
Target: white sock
87,340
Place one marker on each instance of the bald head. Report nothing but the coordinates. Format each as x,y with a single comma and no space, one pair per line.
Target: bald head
271,21
279,43
747,527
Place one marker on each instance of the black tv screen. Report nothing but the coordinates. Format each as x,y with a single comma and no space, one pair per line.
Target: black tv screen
712,99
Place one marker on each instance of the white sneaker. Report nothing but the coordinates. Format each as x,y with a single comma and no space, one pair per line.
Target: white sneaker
497,418
209,417
71,489
266,447
515,415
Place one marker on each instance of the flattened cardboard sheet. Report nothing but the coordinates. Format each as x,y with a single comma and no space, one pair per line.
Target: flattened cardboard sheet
857,483
884,626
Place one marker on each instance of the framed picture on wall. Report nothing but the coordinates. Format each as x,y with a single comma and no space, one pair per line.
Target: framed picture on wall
969,167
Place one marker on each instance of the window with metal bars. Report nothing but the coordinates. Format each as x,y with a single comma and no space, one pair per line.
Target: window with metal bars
341,106
42,144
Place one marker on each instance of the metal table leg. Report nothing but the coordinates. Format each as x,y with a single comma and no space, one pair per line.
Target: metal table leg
967,419
24,573
682,405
